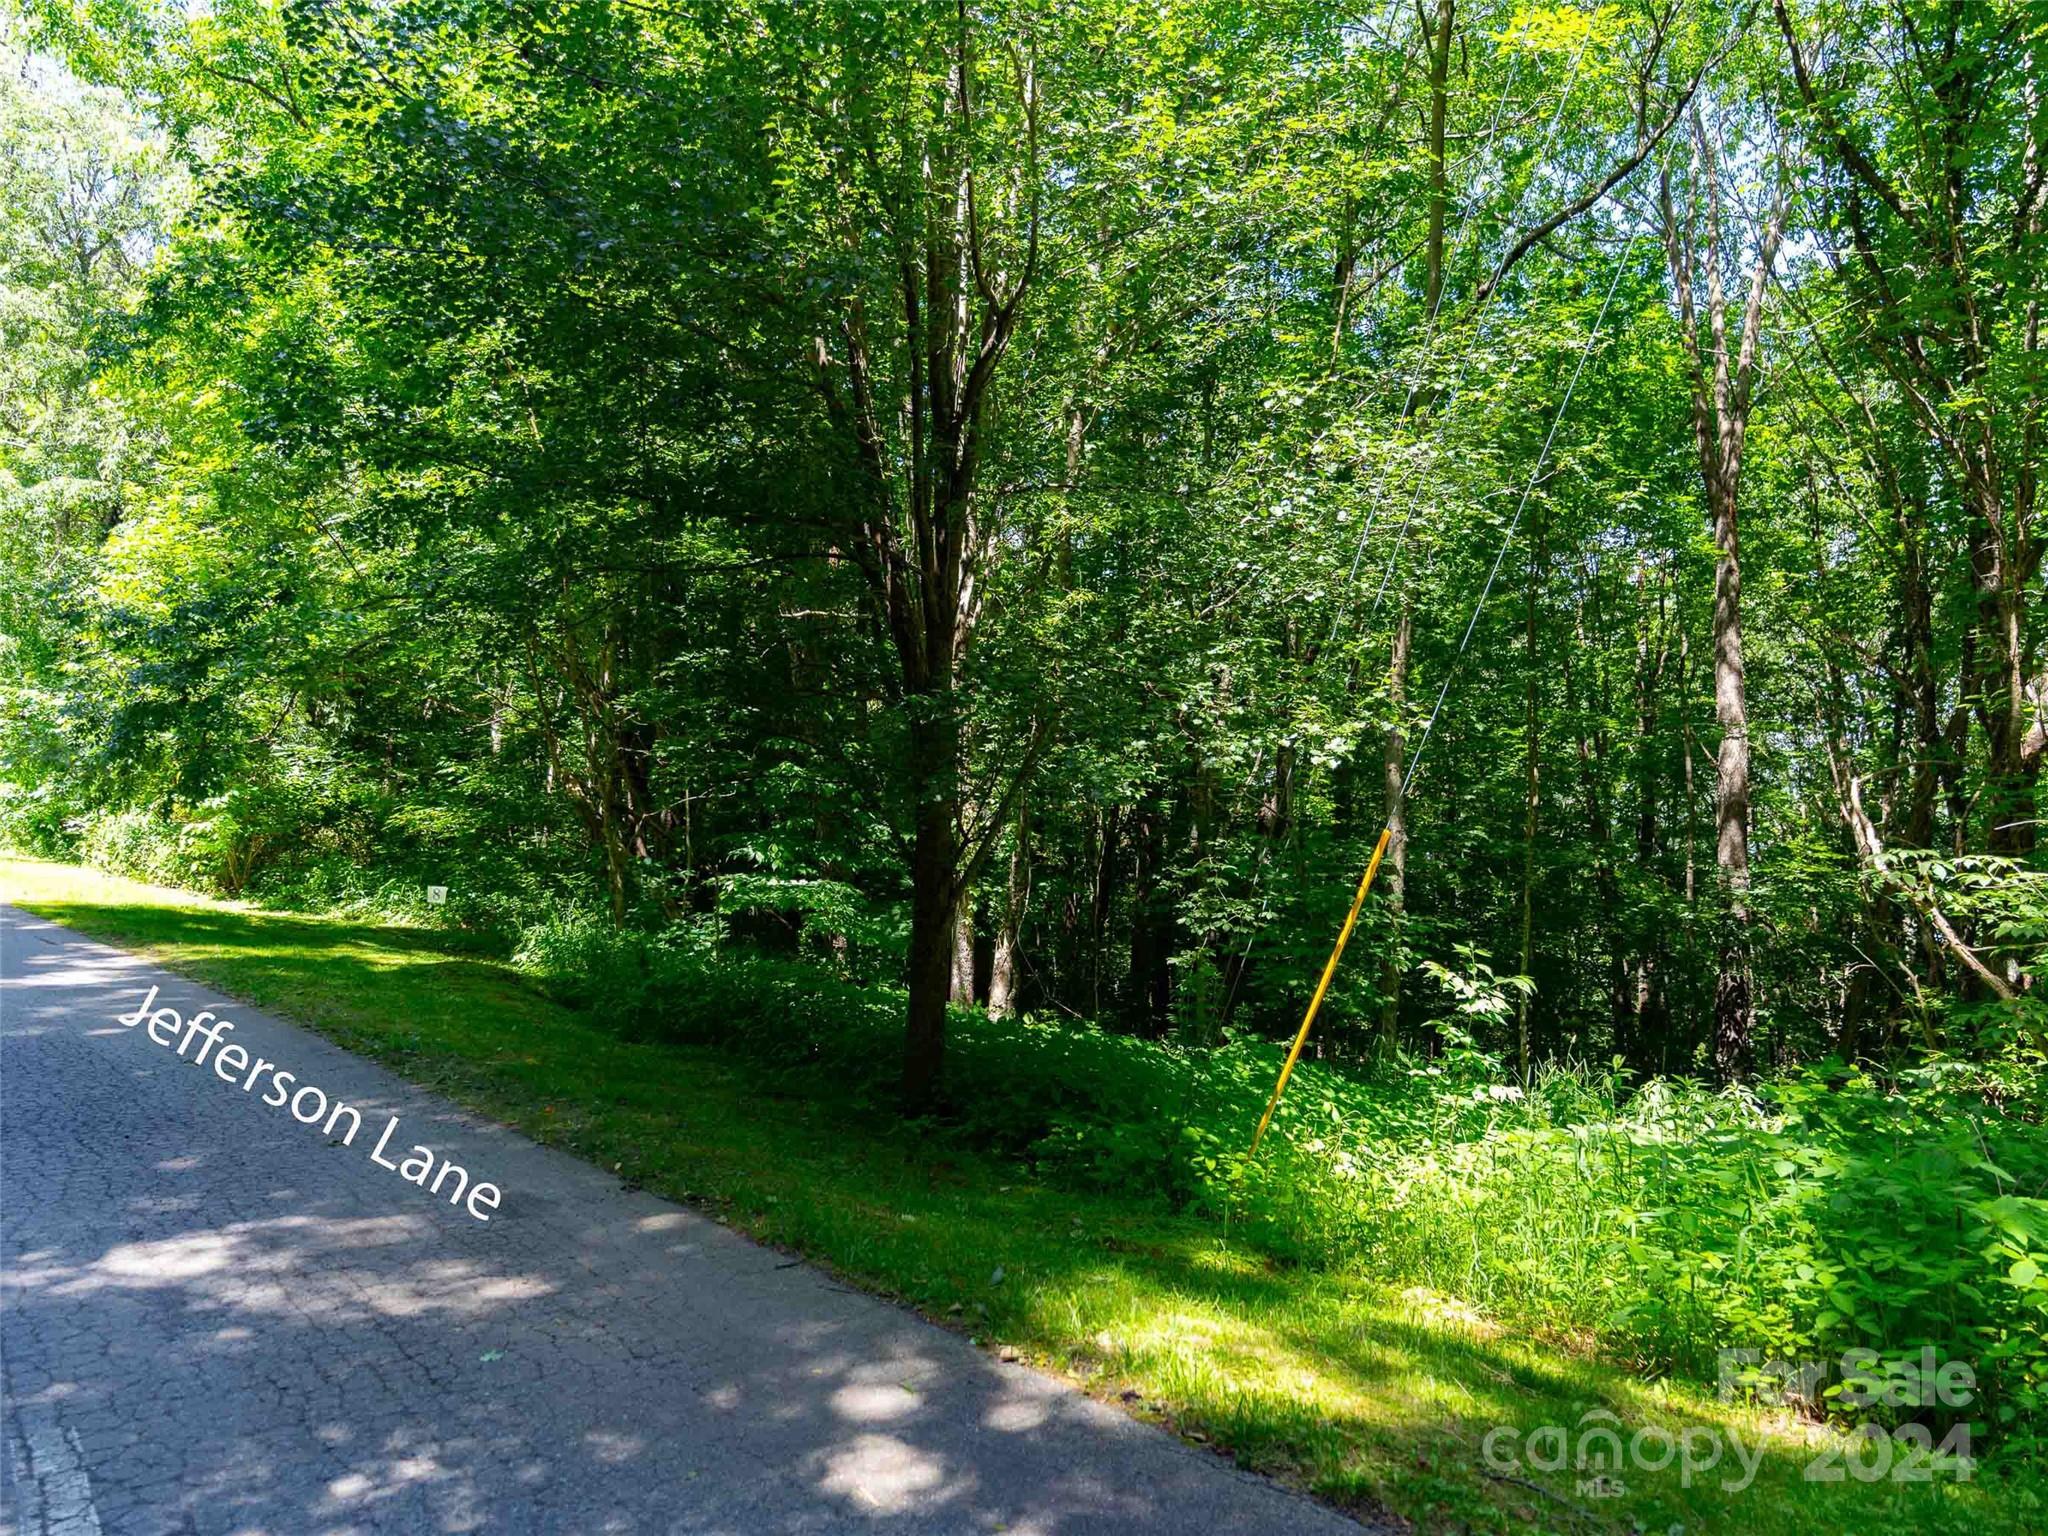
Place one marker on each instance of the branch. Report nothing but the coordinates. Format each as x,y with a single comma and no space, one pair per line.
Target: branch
1858,163
980,845
1614,178
1849,794
282,102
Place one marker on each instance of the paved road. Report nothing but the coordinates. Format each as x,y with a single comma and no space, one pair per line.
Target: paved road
216,1322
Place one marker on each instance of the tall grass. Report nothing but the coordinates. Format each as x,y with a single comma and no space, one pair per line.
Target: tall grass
1663,1221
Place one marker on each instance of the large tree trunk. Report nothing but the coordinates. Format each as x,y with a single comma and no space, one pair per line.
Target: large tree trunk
931,954
962,990
913,423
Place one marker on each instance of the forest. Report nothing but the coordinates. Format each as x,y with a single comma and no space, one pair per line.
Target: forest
927,544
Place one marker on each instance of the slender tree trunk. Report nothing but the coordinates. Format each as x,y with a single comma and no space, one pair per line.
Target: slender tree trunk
1004,968
1532,798
2009,772
1394,870
1689,788
1147,942
1734,1009
1276,808
1198,1001
1109,827
1648,1021
1930,746
934,892
1721,369
1439,182
1594,776
962,990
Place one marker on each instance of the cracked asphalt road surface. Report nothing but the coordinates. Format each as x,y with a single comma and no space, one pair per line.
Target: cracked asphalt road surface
212,1321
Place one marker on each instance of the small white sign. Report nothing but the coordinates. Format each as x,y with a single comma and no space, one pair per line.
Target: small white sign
436,895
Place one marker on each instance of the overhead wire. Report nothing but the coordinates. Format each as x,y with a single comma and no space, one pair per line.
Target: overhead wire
1443,422
1379,851
1422,360
1471,626
1385,36
1429,338
1515,522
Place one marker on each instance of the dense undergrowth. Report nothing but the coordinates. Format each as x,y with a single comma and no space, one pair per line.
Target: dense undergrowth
306,842
1805,1218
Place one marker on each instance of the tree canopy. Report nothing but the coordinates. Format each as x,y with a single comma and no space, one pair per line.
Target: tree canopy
996,496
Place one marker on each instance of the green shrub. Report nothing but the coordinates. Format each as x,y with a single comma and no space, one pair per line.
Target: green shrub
134,843
42,821
218,846
1820,1218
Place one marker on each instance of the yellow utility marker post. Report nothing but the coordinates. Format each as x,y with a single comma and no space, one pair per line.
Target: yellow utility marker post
1379,851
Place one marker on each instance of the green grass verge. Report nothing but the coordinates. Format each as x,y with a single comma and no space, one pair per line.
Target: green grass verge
1368,1396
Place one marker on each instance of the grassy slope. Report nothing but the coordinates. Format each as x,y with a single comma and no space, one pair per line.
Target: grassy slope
1365,1396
